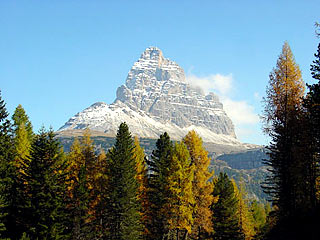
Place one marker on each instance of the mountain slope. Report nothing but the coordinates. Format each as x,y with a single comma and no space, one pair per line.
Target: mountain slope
155,99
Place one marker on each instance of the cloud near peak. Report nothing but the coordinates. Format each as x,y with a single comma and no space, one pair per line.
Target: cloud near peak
241,112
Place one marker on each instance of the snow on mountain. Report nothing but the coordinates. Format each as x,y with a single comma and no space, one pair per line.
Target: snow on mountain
156,98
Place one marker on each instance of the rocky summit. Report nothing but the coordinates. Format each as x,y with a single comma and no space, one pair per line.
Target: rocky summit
157,98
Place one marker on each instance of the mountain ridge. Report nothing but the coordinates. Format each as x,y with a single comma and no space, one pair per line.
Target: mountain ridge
154,99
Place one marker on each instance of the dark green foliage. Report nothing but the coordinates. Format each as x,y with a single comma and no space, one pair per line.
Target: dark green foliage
45,210
11,197
312,105
122,216
225,219
159,167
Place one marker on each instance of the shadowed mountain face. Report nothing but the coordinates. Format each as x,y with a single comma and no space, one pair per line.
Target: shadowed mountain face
156,98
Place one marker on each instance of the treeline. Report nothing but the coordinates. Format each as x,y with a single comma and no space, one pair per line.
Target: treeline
121,194
292,120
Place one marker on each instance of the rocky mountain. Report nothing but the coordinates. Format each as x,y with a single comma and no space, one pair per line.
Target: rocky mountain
156,98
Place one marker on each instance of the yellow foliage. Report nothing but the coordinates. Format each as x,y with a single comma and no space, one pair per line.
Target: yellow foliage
201,186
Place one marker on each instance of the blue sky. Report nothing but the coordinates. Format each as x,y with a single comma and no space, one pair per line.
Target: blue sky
59,57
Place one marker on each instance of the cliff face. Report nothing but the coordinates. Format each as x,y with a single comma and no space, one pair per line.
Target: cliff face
157,86
156,98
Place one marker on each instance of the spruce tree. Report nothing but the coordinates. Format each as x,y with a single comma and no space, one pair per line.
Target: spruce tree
312,104
225,211
201,186
7,175
45,177
122,216
159,167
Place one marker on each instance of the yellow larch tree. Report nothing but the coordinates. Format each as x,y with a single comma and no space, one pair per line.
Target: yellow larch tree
201,186
142,180
245,217
179,205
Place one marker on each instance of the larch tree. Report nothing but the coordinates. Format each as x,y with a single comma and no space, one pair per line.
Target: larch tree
201,186
283,122
244,214
142,179
122,216
178,208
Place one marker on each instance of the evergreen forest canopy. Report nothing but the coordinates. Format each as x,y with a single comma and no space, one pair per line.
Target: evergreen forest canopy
46,193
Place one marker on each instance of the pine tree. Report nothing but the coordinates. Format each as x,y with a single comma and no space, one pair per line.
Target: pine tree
178,208
225,211
7,175
20,118
122,209
312,104
283,122
45,209
201,186
142,179
159,166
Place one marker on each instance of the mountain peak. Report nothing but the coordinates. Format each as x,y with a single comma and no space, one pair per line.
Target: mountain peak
152,53
156,98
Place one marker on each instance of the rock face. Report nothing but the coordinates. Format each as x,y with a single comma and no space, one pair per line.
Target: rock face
157,98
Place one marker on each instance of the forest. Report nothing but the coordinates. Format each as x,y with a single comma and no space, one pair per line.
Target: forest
120,193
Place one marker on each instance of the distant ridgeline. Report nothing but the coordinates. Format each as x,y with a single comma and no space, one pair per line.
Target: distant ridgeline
241,165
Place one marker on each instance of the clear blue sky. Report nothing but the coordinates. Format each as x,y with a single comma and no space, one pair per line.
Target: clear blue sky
59,57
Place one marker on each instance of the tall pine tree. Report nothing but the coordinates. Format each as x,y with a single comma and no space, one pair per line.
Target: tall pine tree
225,211
122,208
46,209
159,167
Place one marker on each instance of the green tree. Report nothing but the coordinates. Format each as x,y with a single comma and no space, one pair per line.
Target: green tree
20,118
122,208
312,104
45,207
7,173
225,210
201,186
178,208
159,167
259,215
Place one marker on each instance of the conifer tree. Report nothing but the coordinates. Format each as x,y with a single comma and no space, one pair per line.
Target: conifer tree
225,211
201,186
142,179
78,193
312,104
178,208
283,114
159,166
45,210
259,216
244,215
7,175
122,208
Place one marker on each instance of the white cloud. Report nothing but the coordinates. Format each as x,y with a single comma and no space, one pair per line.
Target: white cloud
217,83
241,112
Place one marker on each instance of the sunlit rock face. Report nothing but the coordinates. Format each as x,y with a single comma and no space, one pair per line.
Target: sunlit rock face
156,98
